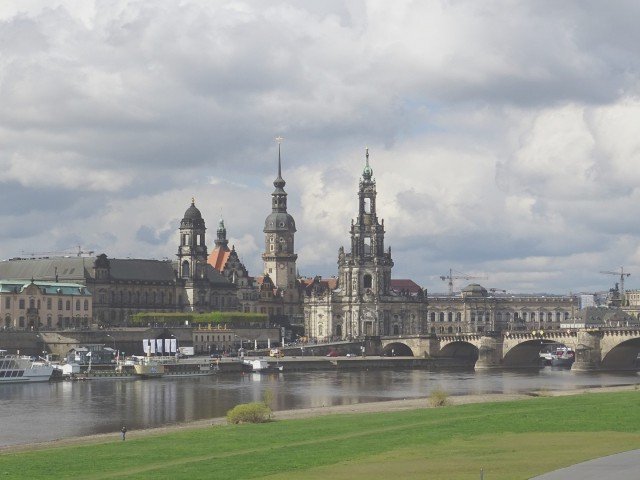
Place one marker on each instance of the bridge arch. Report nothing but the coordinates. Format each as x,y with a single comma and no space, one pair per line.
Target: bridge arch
397,349
527,353
459,349
623,356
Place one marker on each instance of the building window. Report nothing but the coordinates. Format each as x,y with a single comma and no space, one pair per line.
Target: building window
7,303
367,281
68,305
48,304
86,305
77,304
59,304
21,304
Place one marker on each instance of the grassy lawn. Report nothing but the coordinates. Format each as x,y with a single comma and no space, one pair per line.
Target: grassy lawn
508,440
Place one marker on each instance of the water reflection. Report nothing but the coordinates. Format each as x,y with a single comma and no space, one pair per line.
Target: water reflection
41,412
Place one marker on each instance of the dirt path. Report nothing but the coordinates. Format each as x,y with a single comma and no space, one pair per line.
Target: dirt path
372,407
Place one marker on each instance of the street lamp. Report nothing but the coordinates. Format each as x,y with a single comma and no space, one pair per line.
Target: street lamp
114,345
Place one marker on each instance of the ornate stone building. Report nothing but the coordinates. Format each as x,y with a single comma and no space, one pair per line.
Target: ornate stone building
361,300
36,305
476,310
123,287
364,300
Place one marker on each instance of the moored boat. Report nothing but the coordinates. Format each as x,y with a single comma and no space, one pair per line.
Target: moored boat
558,356
17,369
148,367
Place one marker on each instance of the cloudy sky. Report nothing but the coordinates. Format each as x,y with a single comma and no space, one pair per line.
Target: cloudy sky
504,136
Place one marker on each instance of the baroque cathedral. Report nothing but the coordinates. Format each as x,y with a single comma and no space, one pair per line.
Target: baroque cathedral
365,300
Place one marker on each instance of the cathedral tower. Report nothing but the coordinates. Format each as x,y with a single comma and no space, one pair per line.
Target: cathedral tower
279,229
366,270
192,251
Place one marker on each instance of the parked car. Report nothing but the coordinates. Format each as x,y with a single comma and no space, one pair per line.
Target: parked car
333,353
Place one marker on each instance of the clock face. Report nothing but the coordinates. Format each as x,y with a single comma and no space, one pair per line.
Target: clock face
281,265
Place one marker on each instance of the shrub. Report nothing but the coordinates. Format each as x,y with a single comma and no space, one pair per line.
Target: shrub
256,412
439,398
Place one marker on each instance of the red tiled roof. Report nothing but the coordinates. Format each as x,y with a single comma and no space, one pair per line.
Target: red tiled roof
218,258
405,284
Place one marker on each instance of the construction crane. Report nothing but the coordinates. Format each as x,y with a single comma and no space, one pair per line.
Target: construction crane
61,253
451,277
622,274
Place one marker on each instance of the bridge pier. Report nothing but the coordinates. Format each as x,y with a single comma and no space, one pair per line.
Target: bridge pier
588,352
490,353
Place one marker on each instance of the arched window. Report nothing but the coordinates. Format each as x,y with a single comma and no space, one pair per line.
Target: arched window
450,317
441,316
367,281
59,304
458,317
48,304
86,305
68,305
77,304
432,317
396,330
185,269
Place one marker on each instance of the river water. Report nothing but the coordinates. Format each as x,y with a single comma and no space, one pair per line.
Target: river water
46,411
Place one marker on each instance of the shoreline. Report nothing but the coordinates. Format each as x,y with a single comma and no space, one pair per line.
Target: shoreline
367,407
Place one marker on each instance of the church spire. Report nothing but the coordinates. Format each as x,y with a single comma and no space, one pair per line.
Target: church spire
279,182
368,171
221,240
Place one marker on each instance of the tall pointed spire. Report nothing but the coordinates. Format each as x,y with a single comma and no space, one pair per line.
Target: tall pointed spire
279,182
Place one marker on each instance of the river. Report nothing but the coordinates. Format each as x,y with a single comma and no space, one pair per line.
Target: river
46,411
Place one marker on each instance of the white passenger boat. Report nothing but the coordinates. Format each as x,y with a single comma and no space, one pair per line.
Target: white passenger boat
16,369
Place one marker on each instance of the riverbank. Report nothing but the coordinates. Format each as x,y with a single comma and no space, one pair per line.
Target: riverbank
515,439
365,407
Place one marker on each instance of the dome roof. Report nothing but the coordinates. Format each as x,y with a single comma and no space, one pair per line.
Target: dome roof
279,221
192,212
192,217
474,290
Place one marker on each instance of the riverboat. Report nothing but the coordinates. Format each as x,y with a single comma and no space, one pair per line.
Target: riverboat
263,366
558,356
19,369
147,367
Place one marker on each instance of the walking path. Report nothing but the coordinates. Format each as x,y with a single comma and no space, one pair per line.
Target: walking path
621,466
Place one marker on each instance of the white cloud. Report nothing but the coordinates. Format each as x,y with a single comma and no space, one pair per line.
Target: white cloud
499,133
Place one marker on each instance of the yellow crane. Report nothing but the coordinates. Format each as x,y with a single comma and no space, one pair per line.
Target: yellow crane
623,275
461,276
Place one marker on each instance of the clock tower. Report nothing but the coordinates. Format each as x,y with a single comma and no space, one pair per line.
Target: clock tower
279,255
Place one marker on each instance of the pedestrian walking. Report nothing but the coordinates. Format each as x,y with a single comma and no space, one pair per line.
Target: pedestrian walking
124,432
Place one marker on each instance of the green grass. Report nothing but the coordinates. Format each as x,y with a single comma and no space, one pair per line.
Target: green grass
508,440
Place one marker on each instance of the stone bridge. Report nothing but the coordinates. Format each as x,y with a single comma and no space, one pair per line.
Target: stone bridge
606,349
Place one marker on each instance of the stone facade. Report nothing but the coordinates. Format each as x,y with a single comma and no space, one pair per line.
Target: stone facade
44,305
475,310
361,300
